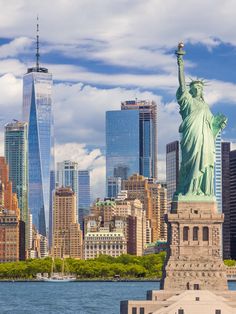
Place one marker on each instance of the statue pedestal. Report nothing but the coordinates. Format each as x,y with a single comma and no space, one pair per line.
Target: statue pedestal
194,259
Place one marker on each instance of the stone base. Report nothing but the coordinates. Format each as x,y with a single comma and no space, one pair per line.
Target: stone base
194,302
194,256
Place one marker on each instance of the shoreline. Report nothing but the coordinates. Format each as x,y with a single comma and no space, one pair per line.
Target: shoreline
85,280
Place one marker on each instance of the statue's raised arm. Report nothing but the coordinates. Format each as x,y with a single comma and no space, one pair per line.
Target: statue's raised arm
180,53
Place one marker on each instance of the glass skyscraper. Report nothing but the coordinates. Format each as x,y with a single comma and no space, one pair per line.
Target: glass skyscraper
84,194
218,173
122,143
37,112
147,135
16,150
131,140
172,170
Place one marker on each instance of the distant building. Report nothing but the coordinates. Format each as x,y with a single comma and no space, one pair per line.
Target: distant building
67,236
154,199
84,195
12,229
113,186
123,215
39,248
218,172
232,167
172,170
67,176
104,242
9,236
225,149
16,154
131,140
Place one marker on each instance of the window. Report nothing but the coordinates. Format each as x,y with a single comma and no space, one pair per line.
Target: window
205,234
218,312
185,233
180,311
134,310
195,233
141,310
196,286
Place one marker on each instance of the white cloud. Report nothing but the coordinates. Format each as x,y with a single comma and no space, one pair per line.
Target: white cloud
16,46
130,33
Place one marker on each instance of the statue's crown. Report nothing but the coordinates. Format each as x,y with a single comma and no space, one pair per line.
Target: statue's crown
197,81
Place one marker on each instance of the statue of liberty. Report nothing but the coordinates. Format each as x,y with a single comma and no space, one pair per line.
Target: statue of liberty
198,130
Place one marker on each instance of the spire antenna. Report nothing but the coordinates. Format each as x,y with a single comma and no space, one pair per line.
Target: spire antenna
37,45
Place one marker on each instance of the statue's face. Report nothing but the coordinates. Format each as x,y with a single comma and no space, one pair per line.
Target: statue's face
196,90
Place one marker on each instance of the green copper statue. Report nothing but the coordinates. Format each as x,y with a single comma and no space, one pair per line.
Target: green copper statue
198,129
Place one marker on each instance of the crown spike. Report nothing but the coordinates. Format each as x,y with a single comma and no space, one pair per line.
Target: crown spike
37,44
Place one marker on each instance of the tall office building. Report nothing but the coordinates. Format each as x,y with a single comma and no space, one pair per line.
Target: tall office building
232,200
67,176
172,170
225,150
218,172
131,140
84,194
16,148
147,135
37,112
67,236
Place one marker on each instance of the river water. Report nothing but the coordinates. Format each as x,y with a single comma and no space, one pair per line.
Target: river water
71,297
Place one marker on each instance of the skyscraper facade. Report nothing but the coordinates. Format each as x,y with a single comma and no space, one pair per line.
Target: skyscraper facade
16,149
67,176
218,173
131,140
122,143
67,236
147,135
84,194
232,168
225,150
37,112
172,170
113,186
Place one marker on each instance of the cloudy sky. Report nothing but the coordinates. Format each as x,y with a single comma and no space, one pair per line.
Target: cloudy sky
102,52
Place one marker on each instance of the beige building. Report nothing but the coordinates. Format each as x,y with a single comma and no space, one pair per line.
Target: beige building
39,246
124,215
154,199
104,242
67,236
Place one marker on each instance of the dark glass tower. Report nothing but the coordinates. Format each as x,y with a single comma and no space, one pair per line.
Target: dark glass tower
84,195
131,140
232,204
172,170
147,135
225,159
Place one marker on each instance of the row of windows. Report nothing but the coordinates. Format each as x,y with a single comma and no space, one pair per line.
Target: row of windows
205,234
180,311
105,247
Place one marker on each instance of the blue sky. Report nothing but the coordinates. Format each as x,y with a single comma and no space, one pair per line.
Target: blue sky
104,52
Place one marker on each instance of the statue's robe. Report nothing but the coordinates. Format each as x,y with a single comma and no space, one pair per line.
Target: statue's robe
197,146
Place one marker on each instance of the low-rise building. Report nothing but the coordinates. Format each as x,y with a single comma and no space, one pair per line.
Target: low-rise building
104,242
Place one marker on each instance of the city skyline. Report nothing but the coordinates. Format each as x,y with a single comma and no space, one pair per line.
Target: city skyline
95,67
